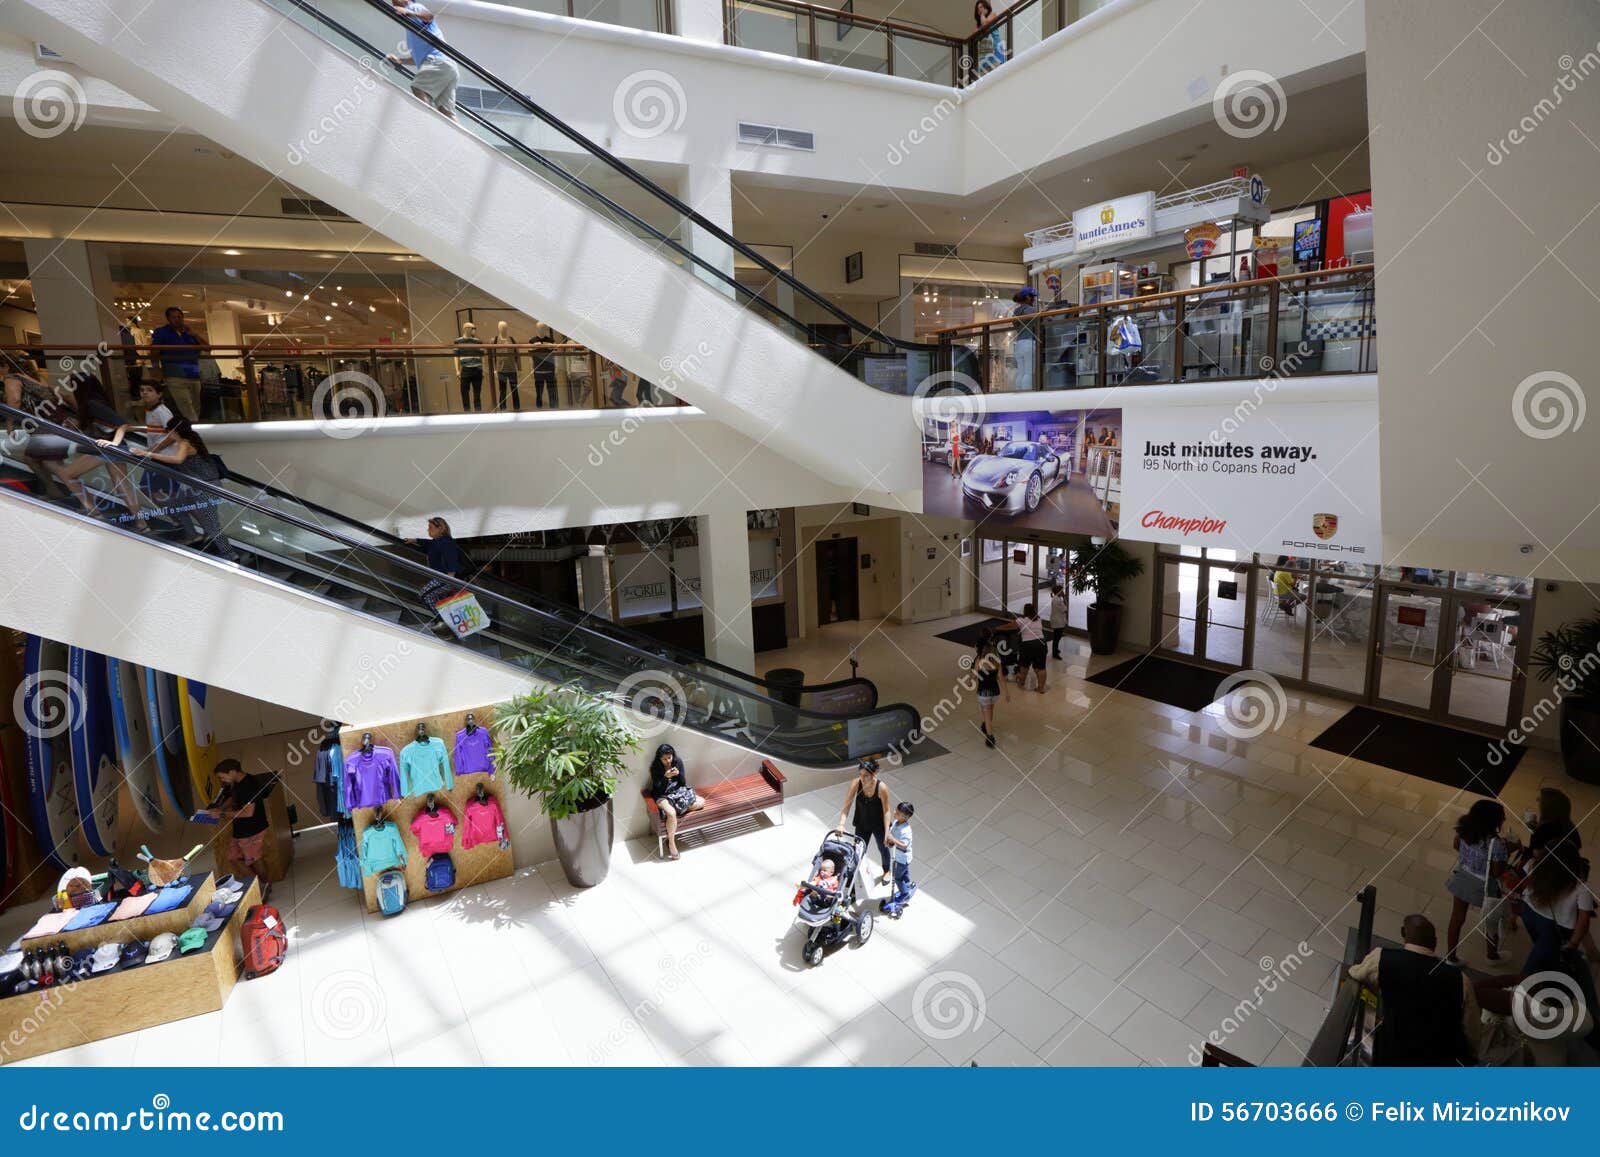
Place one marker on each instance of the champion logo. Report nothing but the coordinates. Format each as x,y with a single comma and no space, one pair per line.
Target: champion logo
1161,520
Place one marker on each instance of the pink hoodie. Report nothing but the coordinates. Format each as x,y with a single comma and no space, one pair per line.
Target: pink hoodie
484,822
435,833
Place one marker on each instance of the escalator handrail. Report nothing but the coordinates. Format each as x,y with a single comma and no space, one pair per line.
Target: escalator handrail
423,572
618,165
553,608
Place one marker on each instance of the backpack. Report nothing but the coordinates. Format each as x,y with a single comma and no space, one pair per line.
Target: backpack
392,893
441,873
264,941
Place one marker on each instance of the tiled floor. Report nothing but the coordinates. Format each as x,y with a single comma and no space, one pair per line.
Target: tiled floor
1117,880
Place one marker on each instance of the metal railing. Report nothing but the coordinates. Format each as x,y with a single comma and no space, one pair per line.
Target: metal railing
276,380
892,47
1342,1040
1322,322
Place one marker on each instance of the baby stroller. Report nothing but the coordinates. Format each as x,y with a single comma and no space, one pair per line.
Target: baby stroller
831,917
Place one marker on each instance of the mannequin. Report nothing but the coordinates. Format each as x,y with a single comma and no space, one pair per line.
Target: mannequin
425,765
431,804
544,370
470,367
506,370
366,743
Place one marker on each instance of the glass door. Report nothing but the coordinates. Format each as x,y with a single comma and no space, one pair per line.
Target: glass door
1488,666
1179,626
1407,655
1226,612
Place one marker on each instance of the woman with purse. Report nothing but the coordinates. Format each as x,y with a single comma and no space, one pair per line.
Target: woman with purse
1475,880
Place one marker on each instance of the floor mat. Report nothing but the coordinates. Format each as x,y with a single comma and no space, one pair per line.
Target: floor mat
1164,680
968,635
1432,751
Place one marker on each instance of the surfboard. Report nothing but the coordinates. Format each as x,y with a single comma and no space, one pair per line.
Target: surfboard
166,732
135,751
93,745
46,713
199,741
10,837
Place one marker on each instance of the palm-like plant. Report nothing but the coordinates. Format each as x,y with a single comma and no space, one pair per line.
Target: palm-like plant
564,745
1571,653
1104,570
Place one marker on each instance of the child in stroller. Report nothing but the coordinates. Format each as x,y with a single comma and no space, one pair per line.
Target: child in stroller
831,904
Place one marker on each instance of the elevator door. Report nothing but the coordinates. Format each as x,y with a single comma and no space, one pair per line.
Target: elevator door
838,581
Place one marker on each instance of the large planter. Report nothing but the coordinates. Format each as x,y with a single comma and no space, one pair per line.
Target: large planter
583,844
1105,627
1580,733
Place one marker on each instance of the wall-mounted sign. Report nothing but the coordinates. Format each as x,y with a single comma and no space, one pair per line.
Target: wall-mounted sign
1129,218
852,267
1201,240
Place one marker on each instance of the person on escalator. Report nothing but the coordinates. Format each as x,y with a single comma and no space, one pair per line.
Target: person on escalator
436,77
188,455
97,416
444,556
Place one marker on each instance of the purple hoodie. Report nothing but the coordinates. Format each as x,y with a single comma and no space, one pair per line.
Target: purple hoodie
370,780
474,752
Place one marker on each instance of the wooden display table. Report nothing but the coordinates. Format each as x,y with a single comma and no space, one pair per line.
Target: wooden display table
126,1000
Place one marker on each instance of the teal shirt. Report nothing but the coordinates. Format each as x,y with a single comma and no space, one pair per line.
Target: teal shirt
382,849
425,767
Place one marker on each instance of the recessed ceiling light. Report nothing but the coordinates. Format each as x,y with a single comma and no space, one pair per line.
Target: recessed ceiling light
288,293
338,289
326,256
372,309
305,297
327,317
233,252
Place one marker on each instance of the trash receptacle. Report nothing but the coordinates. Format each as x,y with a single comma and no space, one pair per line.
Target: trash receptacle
784,684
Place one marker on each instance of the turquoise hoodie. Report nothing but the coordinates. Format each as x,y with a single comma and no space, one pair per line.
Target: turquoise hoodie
425,767
382,849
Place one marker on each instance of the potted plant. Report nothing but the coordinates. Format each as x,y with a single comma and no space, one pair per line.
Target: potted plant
1103,571
1569,658
567,747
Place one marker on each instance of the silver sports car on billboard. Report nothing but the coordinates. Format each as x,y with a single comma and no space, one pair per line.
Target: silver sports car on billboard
1015,478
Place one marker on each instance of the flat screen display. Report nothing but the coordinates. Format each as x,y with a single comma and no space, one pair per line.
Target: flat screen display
1307,240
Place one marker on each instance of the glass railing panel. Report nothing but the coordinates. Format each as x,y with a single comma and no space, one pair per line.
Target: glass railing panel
846,44
1140,345
1027,26
645,15
767,28
928,60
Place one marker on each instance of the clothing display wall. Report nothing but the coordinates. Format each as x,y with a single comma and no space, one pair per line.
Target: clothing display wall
467,827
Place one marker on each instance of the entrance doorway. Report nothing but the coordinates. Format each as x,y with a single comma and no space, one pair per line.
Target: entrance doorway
1013,574
838,581
1203,610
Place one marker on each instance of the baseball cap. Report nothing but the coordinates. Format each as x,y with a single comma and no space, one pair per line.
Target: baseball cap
133,953
106,957
82,964
231,894
192,940
214,917
161,947
1027,291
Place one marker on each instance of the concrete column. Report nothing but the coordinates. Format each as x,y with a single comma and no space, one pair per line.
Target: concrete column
708,190
72,291
698,20
725,587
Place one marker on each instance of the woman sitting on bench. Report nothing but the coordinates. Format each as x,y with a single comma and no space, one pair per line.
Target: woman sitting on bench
669,785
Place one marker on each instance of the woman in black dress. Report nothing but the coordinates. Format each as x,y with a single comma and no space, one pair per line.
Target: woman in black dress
669,786
870,795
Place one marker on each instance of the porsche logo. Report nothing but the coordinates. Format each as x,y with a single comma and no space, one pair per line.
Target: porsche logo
1107,215
1325,526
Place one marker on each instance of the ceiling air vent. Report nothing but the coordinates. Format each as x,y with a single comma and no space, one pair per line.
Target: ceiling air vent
774,137
309,207
934,249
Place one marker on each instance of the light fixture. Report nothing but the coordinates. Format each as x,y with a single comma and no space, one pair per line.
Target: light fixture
233,252
288,293
305,297
338,289
372,309
327,317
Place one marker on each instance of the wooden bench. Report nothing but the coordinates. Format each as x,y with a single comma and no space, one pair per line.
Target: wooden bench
726,801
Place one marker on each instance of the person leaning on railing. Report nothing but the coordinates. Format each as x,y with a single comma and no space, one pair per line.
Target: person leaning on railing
991,46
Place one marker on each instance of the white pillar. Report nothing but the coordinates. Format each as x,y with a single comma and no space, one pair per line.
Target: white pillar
708,190
222,328
725,587
698,20
72,291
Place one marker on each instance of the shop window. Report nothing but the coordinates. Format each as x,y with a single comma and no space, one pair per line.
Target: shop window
1421,576
1493,584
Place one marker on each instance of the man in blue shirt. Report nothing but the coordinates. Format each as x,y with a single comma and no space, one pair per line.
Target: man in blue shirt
436,75
180,367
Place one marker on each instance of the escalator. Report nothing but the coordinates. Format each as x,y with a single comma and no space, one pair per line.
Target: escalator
351,570
853,696
512,199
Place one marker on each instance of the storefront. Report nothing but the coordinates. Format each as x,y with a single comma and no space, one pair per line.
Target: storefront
1013,573
1451,646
